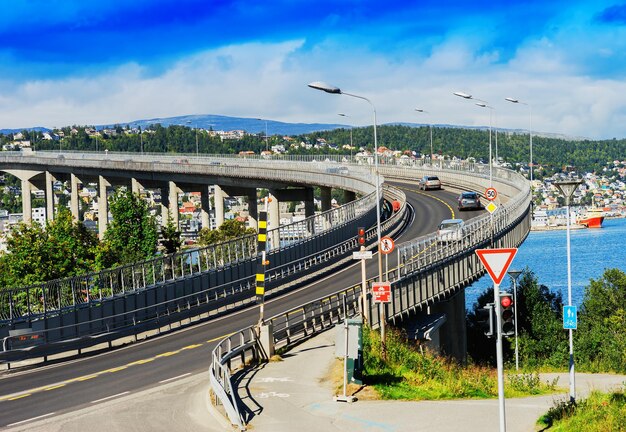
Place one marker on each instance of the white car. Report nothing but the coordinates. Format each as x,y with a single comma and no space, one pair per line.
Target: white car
451,230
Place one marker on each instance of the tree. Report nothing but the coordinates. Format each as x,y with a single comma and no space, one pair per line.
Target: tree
132,234
170,234
34,254
601,336
230,229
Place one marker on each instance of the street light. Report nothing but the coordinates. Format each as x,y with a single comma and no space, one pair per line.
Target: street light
431,131
530,130
567,189
483,104
195,127
514,274
266,144
317,85
345,115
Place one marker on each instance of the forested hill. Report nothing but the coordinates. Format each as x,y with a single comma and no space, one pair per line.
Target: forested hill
552,154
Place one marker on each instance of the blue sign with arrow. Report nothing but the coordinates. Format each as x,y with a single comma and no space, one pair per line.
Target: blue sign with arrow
570,318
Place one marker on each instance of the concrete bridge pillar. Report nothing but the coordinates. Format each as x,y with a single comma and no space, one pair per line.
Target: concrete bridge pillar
136,187
27,208
326,198
205,208
74,196
103,206
453,334
218,198
49,196
253,211
273,220
348,196
172,193
309,203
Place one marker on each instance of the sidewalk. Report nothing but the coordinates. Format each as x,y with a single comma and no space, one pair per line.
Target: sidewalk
295,395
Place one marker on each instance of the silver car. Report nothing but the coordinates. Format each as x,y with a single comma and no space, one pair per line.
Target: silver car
468,200
429,182
451,230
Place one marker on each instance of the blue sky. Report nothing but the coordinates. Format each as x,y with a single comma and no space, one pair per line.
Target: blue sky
105,61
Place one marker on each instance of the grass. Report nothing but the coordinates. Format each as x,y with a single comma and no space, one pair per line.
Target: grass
410,374
600,412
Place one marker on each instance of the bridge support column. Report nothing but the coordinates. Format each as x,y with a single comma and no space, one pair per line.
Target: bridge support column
49,196
103,206
135,186
273,221
172,194
218,198
326,198
309,203
454,332
253,211
205,208
27,208
348,196
74,196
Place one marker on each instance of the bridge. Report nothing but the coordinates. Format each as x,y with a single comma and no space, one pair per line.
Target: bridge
427,274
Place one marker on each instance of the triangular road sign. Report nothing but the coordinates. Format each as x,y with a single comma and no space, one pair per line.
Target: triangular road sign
496,261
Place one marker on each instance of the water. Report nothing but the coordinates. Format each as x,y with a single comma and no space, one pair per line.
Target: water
545,253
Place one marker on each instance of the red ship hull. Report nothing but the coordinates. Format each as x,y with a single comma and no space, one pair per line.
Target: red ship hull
592,222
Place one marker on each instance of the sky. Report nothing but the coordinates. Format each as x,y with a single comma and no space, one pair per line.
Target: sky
76,62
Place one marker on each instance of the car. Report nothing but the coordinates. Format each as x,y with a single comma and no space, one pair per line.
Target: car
451,230
468,200
429,182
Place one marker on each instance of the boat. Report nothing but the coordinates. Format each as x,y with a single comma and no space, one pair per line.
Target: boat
592,218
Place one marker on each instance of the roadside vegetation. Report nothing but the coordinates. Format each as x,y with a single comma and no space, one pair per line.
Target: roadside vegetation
600,412
600,340
413,374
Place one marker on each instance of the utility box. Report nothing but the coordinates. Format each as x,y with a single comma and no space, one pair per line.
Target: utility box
355,348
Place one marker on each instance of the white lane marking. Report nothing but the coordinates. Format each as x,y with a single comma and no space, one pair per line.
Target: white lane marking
174,378
110,397
30,419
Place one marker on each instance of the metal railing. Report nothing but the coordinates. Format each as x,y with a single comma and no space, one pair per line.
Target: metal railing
413,256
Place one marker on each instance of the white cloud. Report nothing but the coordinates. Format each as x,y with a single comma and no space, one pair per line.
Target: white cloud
269,81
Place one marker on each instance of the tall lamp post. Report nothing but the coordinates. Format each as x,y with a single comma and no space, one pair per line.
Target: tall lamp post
266,142
317,85
514,274
483,104
345,115
567,189
530,130
430,124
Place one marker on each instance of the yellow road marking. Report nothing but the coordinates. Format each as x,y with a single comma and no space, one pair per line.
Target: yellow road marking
54,387
167,354
20,396
140,362
85,378
191,346
114,369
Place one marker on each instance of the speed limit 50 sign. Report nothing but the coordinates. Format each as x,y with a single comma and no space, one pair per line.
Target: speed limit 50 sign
491,194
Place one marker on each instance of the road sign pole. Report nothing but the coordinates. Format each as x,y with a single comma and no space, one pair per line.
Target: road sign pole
387,268
364,302
499,357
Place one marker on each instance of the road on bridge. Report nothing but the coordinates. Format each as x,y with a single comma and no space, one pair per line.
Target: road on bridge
71,385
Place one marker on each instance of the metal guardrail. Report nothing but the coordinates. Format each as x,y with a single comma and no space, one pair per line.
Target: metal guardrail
414,256
38,300
289,327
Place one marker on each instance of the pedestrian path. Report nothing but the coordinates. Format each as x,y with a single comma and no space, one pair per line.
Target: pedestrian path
296,395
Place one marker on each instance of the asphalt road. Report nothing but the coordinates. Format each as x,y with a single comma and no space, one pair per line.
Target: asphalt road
61,388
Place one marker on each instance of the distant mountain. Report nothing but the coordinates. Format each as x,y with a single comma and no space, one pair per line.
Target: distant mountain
255,125
250,125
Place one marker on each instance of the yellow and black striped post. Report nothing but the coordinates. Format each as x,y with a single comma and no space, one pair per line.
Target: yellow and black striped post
261,261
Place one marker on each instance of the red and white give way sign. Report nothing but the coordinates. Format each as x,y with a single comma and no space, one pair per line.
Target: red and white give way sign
381,291
386,245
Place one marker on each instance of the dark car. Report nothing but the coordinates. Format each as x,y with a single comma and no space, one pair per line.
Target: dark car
429,182
468,200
